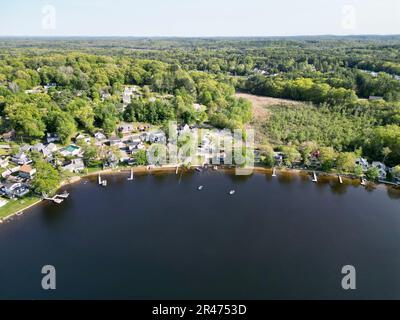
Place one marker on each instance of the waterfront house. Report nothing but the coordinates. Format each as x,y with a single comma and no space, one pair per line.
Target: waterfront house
27,172
363,163
382,169
14,189
52,137
75,166
21,158
70,151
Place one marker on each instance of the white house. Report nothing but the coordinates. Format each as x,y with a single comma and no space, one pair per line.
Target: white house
21,158
99,136
382,169
52,137
75,166
49,150
363,163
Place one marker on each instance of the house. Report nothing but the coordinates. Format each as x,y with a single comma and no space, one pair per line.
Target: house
27,172
111,160
52,137
157,137
70,151
382,169
49,150
21,158
184,129
278,157
4,162
99,136
81,136
115,141
9,135
126,128
363,163
37,147
75,166
34,90
135,145
375,98
14,189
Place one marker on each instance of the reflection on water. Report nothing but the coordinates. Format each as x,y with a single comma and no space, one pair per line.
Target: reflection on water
159,237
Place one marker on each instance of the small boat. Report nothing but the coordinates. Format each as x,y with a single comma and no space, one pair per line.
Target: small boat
232,192
20,213
274,172
198,170
364,182
104,183
340,180
200,188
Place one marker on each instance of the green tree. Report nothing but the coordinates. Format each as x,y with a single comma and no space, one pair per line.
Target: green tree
372,173
327,157
345,162
140,158
47,179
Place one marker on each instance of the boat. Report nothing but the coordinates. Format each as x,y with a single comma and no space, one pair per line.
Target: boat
198,170
315,178
20,213
364,182
232,192
104,183
200,188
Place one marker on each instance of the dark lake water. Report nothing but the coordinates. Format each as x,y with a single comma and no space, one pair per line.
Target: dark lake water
159,237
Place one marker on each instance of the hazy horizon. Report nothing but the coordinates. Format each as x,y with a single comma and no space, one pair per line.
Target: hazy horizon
192,19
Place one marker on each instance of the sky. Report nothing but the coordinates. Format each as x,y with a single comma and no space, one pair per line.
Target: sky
198,18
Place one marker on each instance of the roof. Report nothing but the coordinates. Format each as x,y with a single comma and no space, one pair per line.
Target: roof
26,168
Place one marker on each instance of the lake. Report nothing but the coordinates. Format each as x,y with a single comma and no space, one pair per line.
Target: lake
158,237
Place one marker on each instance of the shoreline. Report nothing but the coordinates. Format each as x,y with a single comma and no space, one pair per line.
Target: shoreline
169,169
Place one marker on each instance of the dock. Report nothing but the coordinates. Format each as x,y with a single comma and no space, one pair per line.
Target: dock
131,176
340,180
315,178
274,172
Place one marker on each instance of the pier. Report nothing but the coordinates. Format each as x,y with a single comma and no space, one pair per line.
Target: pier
315,178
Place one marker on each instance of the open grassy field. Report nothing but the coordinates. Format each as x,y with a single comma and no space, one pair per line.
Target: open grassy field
261,112
14,206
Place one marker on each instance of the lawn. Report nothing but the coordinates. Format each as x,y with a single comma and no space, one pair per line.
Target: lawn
16,205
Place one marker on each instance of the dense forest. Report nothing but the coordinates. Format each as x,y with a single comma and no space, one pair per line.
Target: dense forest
351,86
